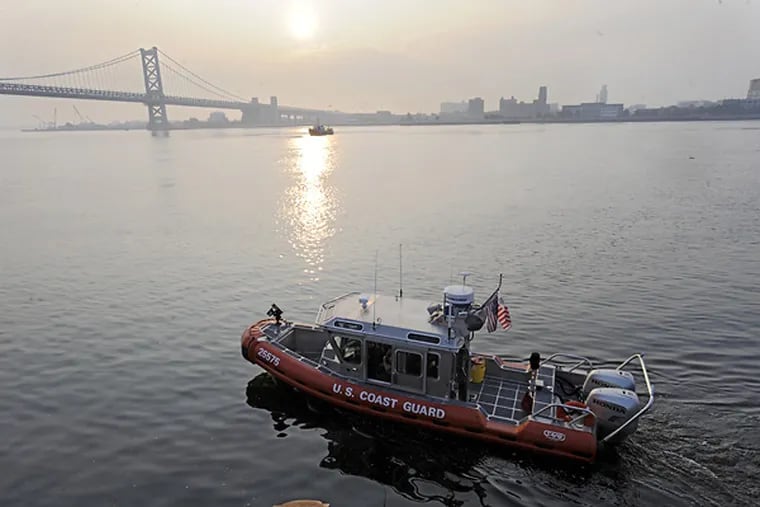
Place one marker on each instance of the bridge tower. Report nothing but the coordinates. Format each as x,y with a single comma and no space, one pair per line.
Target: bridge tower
154,90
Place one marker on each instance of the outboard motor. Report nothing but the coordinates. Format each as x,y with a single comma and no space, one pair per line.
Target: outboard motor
613,407
608,378
611,395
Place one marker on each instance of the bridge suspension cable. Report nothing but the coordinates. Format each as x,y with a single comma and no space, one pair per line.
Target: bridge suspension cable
221,92
177,88
97,66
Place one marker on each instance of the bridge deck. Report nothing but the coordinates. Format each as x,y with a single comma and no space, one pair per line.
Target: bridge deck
9,88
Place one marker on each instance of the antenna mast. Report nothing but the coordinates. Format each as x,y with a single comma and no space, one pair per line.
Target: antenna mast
400,274
374,302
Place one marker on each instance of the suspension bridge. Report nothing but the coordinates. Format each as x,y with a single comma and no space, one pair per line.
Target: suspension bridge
161,84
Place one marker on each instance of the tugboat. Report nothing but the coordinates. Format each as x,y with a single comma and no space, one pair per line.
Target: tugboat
320,130
410,361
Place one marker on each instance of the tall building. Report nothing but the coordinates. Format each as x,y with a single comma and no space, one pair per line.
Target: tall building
602,97
754,90
542,108
476,107
542,95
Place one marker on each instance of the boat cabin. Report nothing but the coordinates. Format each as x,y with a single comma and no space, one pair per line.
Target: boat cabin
393,341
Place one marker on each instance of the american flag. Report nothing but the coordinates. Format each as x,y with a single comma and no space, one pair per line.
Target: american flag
496,311
505,319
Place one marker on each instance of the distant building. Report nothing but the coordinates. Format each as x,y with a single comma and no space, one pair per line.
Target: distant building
542,108
384,117
754,90
259,113
453,107
381,117
602,97
511,108
695,103
273,112
739,107
475,107
217,118
723,109
611,111
591,111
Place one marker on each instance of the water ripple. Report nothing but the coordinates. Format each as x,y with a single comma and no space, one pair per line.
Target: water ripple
130,266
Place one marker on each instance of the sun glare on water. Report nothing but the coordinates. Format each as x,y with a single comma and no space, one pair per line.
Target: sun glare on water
303,22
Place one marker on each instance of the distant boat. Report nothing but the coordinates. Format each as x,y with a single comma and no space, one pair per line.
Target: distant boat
320,130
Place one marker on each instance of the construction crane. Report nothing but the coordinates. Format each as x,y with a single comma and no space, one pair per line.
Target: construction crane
82,118
47,124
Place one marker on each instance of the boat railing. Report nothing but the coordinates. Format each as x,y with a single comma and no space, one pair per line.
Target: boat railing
650,392
583,412
572,357
325,308
314,364
276,332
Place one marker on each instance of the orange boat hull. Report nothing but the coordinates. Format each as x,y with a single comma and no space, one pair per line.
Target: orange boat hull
449,416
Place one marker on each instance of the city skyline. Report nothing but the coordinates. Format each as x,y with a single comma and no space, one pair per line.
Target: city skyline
368,56
465,111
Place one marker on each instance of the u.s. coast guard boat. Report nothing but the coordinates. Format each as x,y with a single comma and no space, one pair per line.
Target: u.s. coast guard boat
410,361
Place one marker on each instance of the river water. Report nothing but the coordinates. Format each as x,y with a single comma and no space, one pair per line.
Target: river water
130,264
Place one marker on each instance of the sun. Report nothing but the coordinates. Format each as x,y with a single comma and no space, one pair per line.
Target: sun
303,22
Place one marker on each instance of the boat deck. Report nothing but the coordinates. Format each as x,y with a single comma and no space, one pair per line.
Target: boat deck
500,398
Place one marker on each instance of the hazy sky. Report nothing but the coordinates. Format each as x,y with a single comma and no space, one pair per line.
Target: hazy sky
402,55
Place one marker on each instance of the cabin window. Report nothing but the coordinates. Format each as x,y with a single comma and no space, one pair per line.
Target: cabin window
350,349
348,325
424,338
433,361
409,363
379,361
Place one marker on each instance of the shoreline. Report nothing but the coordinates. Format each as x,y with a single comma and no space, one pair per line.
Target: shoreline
412,124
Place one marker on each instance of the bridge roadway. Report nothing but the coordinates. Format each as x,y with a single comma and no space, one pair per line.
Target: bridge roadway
7,88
